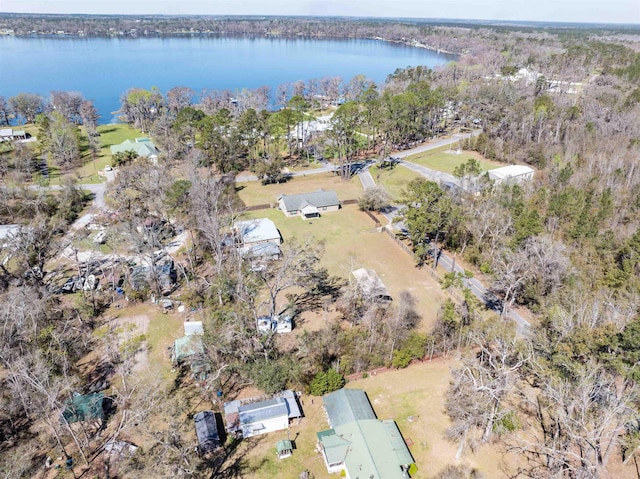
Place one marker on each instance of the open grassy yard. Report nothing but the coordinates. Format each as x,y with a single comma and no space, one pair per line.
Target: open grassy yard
351,242
394,180
254,193
447,160
113,134
413,397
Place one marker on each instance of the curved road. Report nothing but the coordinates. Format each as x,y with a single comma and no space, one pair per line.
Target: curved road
476,287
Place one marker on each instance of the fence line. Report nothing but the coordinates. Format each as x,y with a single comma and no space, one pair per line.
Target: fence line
258,207
375,220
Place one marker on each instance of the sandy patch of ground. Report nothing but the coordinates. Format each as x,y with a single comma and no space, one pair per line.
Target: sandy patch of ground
129,327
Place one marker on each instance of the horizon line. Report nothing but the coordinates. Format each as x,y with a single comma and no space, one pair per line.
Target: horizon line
479,21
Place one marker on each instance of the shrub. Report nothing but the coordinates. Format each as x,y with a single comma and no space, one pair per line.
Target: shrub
326,382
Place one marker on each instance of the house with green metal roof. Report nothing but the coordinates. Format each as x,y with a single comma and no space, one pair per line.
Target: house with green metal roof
143,147
360,444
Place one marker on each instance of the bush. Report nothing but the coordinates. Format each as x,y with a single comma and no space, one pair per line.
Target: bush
401,359
326,382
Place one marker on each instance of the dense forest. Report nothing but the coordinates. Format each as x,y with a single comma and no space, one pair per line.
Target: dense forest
566,246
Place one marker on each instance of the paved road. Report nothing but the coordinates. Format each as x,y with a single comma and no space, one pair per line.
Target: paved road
327,168
97,205
476,287
366,179
436,144
433,175
484,295
428,173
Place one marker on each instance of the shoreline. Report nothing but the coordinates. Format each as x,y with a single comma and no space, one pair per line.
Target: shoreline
408,43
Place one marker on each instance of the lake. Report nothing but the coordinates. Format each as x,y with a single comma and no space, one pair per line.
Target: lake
102,69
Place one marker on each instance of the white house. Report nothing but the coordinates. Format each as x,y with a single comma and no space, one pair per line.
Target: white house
515,173
258,231
252,418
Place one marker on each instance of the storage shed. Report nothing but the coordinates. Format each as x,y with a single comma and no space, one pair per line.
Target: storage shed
370,285
207,431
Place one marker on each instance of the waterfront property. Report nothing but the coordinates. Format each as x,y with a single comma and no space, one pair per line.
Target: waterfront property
358,444
143,147
309,205
9,134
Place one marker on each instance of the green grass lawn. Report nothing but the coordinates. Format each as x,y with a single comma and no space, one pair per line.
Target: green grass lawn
109,135
447,162
394,180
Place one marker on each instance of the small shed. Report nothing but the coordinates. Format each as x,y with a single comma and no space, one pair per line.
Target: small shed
207,431
187,347
193,328
284,448
370,285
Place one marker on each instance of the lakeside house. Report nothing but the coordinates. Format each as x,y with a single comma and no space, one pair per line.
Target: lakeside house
360,445
309,205
251,417
9,134
515,173
143,147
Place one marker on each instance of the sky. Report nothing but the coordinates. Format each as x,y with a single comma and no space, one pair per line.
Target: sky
590,11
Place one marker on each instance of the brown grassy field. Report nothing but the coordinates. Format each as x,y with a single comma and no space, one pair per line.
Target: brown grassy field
351,242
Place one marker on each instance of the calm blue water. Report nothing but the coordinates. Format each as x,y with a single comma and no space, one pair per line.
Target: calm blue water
102,69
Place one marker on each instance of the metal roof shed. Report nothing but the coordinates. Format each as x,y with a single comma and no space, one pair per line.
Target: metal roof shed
370,284
284,448
207,431
187,347
84,408
193,327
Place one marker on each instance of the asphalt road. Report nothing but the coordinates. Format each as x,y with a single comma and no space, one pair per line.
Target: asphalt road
477,288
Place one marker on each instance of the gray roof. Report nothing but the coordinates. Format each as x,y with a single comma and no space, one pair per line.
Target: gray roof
237,413
207,430
260,249
292,403
8,230
262,411
319,199
257,230
347,405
